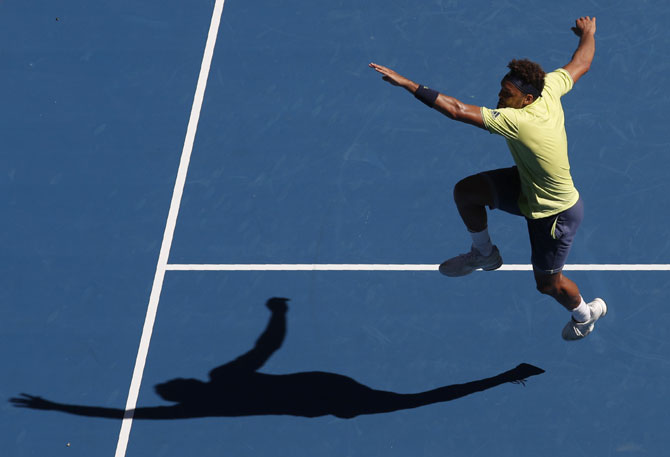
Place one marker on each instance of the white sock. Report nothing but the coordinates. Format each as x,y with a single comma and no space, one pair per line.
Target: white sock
482,242
582,313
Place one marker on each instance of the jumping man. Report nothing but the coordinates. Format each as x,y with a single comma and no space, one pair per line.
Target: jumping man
539,187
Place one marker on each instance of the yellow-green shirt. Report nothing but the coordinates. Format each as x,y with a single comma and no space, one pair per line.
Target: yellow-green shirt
537,140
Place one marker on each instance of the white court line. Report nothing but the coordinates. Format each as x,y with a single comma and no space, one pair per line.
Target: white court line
398,267
168,235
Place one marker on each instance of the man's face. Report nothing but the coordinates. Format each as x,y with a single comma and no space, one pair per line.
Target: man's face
511,97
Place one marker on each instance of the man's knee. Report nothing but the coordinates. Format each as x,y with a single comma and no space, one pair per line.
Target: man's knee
548,284
547,289
464,188
473,190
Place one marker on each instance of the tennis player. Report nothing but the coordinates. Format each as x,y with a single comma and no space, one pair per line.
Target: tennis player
539,187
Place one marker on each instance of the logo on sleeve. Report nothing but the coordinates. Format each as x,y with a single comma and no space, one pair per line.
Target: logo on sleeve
495,114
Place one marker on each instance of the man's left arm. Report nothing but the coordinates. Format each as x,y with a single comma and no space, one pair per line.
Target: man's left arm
449,106
585,29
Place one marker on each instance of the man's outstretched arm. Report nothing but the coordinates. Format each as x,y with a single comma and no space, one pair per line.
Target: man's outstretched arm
585,29
449,106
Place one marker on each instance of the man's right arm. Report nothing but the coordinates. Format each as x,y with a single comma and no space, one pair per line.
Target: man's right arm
449,106
585,29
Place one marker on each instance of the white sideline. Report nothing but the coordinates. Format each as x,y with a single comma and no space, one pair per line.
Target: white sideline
168,235
398,267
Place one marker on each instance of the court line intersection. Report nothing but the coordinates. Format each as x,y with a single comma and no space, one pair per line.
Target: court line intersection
168,235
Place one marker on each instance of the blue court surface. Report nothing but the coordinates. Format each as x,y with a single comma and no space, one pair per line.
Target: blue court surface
303,155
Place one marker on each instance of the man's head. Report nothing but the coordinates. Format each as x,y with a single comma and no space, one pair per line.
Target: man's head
522,85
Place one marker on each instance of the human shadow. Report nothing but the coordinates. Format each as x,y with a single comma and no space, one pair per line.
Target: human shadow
238,389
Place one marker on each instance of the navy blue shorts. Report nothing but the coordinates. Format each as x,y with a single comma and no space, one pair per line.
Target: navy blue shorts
550,237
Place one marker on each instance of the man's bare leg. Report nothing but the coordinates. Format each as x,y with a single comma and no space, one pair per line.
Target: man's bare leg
472,195
558,286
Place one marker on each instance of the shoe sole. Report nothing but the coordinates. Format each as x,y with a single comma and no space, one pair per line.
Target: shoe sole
486,268
495,267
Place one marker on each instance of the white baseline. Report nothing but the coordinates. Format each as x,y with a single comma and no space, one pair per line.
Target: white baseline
399,267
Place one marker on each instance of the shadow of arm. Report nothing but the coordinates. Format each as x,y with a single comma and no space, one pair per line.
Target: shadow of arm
153,412
270,340
35,402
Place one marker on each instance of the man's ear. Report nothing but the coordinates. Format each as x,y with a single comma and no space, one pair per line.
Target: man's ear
528,99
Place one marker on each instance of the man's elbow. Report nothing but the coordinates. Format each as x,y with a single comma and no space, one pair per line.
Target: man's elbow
458,112
469,114
585,67
577,69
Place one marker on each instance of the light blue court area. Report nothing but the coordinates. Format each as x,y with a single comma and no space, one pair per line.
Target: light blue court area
303,155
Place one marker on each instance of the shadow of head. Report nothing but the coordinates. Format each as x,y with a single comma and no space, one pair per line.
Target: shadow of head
180,390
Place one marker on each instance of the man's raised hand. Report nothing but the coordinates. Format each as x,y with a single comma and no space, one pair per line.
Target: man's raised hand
584,25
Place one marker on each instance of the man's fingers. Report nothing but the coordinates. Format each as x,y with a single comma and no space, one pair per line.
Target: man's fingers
380,68
586,20
388,75
584,24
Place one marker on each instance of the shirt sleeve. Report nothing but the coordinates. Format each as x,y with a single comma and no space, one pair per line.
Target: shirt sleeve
558,82
503,121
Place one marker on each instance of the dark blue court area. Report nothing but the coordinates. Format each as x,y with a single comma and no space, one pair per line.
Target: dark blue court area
303,155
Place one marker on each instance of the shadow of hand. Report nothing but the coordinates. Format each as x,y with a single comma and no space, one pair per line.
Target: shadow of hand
277,305
32,402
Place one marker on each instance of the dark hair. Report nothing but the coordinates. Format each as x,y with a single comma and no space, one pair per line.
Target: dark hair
530,72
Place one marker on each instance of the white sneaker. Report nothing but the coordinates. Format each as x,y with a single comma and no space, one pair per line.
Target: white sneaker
465,264
578,330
